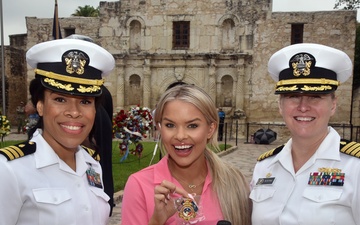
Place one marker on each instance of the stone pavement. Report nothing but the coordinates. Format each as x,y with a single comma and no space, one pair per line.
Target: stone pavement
243,156
15,136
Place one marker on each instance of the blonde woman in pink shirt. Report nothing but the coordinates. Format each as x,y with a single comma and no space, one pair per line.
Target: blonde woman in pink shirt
190,184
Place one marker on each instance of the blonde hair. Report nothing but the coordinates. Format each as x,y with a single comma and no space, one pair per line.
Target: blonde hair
227,181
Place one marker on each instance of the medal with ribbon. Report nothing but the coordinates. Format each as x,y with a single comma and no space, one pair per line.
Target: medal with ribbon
93,177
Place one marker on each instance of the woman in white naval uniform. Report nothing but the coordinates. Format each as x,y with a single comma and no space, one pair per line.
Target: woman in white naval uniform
51,179
314,179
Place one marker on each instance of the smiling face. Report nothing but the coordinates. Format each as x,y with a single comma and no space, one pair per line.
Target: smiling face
185,132
67,119
307,115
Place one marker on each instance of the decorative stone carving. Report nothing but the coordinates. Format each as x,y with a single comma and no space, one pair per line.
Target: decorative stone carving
179,73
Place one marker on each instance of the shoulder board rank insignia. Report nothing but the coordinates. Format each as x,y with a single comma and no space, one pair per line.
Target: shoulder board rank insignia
271,152
19,150
350,148
92,153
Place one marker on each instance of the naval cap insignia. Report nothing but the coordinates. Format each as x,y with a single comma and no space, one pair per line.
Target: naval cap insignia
301,64
75,61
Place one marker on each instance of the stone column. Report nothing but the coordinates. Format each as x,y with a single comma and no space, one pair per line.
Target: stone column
212,90
147,84
120,86
219,100
239,85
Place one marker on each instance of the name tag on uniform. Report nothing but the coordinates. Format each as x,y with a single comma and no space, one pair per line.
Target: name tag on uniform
93,177
266,180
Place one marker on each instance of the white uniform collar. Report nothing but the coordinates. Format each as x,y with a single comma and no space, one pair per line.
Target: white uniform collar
46,156
328,149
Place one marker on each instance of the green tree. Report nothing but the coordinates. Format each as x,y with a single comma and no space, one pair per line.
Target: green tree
347,4
86,11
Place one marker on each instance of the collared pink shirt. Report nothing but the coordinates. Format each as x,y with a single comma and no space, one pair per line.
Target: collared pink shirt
138,199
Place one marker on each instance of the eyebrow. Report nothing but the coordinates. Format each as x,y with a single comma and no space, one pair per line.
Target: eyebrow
190,121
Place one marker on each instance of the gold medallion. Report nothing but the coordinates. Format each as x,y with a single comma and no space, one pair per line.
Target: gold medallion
188,209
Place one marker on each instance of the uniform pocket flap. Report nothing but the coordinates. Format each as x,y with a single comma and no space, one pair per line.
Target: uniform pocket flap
53,196
259,194
100,193
322,194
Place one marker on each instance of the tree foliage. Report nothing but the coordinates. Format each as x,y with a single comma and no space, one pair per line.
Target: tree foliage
86,11
347,4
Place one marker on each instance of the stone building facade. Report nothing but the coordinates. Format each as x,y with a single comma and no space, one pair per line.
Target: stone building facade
221,46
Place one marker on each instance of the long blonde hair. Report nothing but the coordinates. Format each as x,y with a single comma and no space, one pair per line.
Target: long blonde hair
227,181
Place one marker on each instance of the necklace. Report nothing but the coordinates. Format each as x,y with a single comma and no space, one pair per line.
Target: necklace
190,186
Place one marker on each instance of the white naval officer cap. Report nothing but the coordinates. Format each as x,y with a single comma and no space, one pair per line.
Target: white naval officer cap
309,68
71,66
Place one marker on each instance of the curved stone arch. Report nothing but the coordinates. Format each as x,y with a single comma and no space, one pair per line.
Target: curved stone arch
136,18
135,36
220,77
196,82
227,29
135,89
165,83
226,90
128,76
229,16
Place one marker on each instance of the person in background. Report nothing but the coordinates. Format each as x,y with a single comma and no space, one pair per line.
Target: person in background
20,116
190,183
31,115
51,178
313,178
221,114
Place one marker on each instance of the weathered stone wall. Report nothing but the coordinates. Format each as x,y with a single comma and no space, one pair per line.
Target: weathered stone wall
15,76
206,61
356,108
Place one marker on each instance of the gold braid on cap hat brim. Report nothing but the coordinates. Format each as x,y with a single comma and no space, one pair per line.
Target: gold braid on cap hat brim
69,79
308,81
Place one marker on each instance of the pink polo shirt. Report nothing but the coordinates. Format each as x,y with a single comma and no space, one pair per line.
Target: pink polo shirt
138,199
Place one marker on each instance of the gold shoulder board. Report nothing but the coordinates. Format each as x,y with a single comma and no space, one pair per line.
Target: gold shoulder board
92,153
19,150
271,152
350,148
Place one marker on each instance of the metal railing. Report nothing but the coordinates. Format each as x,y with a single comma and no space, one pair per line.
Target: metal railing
235,131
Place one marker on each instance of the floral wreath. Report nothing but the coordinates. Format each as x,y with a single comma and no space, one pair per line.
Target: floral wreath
130,127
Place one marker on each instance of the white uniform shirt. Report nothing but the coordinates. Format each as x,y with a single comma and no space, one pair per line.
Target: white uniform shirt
289,199
40,189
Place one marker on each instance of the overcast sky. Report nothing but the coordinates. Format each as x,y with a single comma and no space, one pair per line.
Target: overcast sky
15,11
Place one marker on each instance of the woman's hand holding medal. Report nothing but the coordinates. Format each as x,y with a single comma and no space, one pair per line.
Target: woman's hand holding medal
164,201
